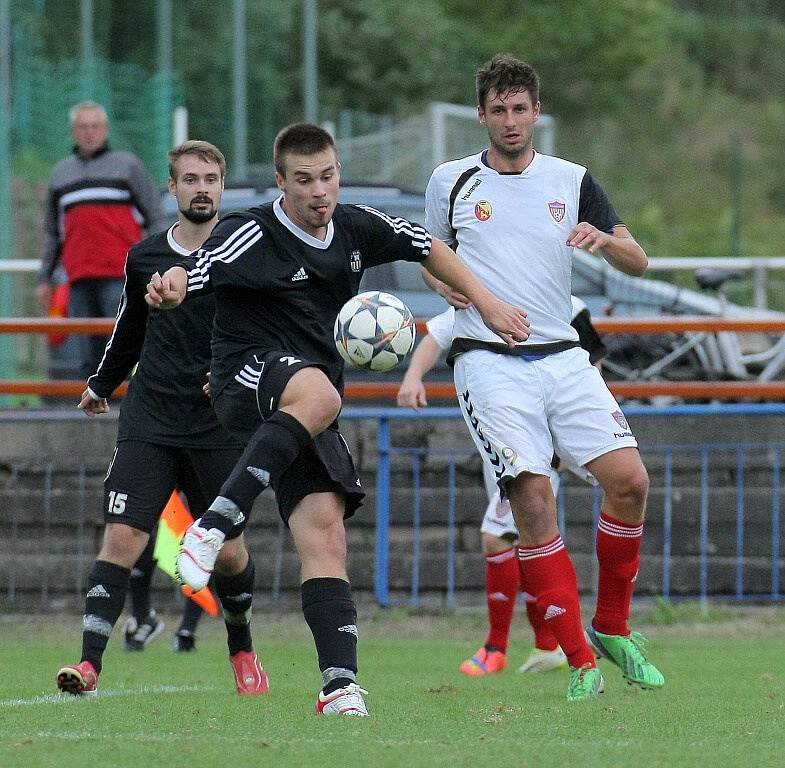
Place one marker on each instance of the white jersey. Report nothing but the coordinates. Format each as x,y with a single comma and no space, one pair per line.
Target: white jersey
511,230
440,327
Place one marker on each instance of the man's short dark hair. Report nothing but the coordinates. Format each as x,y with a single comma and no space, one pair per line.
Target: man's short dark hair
300,139
505,73
201,149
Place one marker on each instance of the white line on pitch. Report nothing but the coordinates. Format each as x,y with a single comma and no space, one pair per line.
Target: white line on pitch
54,698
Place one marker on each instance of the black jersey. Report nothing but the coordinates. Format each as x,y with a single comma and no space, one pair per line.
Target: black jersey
279,288
165,403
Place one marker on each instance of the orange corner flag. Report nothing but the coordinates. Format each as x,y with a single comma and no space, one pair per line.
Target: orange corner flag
175,518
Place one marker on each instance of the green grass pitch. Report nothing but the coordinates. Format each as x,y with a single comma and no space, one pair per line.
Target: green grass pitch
723,704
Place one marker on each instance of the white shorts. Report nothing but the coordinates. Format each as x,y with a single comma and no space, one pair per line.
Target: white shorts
520,412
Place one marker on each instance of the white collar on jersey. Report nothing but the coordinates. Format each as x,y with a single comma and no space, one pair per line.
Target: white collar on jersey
301,234
173,244
484,161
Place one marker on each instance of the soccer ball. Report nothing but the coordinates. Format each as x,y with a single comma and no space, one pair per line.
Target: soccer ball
375,331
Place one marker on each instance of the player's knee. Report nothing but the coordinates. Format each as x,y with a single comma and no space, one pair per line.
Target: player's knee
534,516
122,544
632,488
329,404
322,540
312,399
493,545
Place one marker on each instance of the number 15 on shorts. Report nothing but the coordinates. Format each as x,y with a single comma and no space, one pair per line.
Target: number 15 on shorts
117,502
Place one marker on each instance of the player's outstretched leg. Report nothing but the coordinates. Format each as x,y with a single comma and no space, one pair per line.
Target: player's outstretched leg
268,454
107,585
235,594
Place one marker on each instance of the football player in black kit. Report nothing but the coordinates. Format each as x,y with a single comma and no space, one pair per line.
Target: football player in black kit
167,428
280,273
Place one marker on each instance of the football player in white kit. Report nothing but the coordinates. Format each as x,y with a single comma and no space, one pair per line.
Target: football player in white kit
498,530
514,216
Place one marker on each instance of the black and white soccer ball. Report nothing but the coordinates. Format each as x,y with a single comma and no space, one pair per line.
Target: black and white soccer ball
375,331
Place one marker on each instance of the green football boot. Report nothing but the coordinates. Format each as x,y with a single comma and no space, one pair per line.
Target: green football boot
585,683
628,653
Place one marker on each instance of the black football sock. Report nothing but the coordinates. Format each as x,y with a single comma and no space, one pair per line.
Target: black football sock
139,584
330,613
269,453
107,585
235,594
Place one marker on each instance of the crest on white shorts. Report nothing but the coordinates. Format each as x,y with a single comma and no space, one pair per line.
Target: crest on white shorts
618,417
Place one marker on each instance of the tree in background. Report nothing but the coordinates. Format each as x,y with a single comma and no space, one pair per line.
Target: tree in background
648,92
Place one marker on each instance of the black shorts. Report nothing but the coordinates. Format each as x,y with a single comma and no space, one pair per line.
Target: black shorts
142,476
324,466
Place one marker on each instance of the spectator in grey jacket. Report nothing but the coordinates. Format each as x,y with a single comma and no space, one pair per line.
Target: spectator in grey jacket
100,202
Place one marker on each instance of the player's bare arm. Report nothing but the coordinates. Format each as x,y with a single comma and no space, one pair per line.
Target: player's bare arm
412,391
453,298
619,249
91,405
168,290
509,323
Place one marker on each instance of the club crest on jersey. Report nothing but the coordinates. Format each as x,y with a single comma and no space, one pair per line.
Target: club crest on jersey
483,210
355,261
557,209
618,417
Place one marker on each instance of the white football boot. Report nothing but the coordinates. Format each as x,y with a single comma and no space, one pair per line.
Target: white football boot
343,701
198,552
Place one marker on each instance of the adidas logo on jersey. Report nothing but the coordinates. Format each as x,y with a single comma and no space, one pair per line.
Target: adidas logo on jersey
552,611
300,274
350,628
98,591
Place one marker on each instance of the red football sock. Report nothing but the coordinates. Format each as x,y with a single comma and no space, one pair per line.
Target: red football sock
618,554
502,581
544,639
550,575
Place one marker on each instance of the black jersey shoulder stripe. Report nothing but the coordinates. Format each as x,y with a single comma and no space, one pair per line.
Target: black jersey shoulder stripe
454,192
237,243
231,249
421,239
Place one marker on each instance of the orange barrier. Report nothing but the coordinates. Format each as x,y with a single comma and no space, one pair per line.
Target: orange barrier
444,390
387,390
708,390
605,325
86,325
684,323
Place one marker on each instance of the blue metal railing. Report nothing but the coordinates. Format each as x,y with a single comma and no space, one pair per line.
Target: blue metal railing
383,478
736,461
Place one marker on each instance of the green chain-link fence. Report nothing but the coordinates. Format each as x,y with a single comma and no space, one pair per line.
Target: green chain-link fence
36,134
139,105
